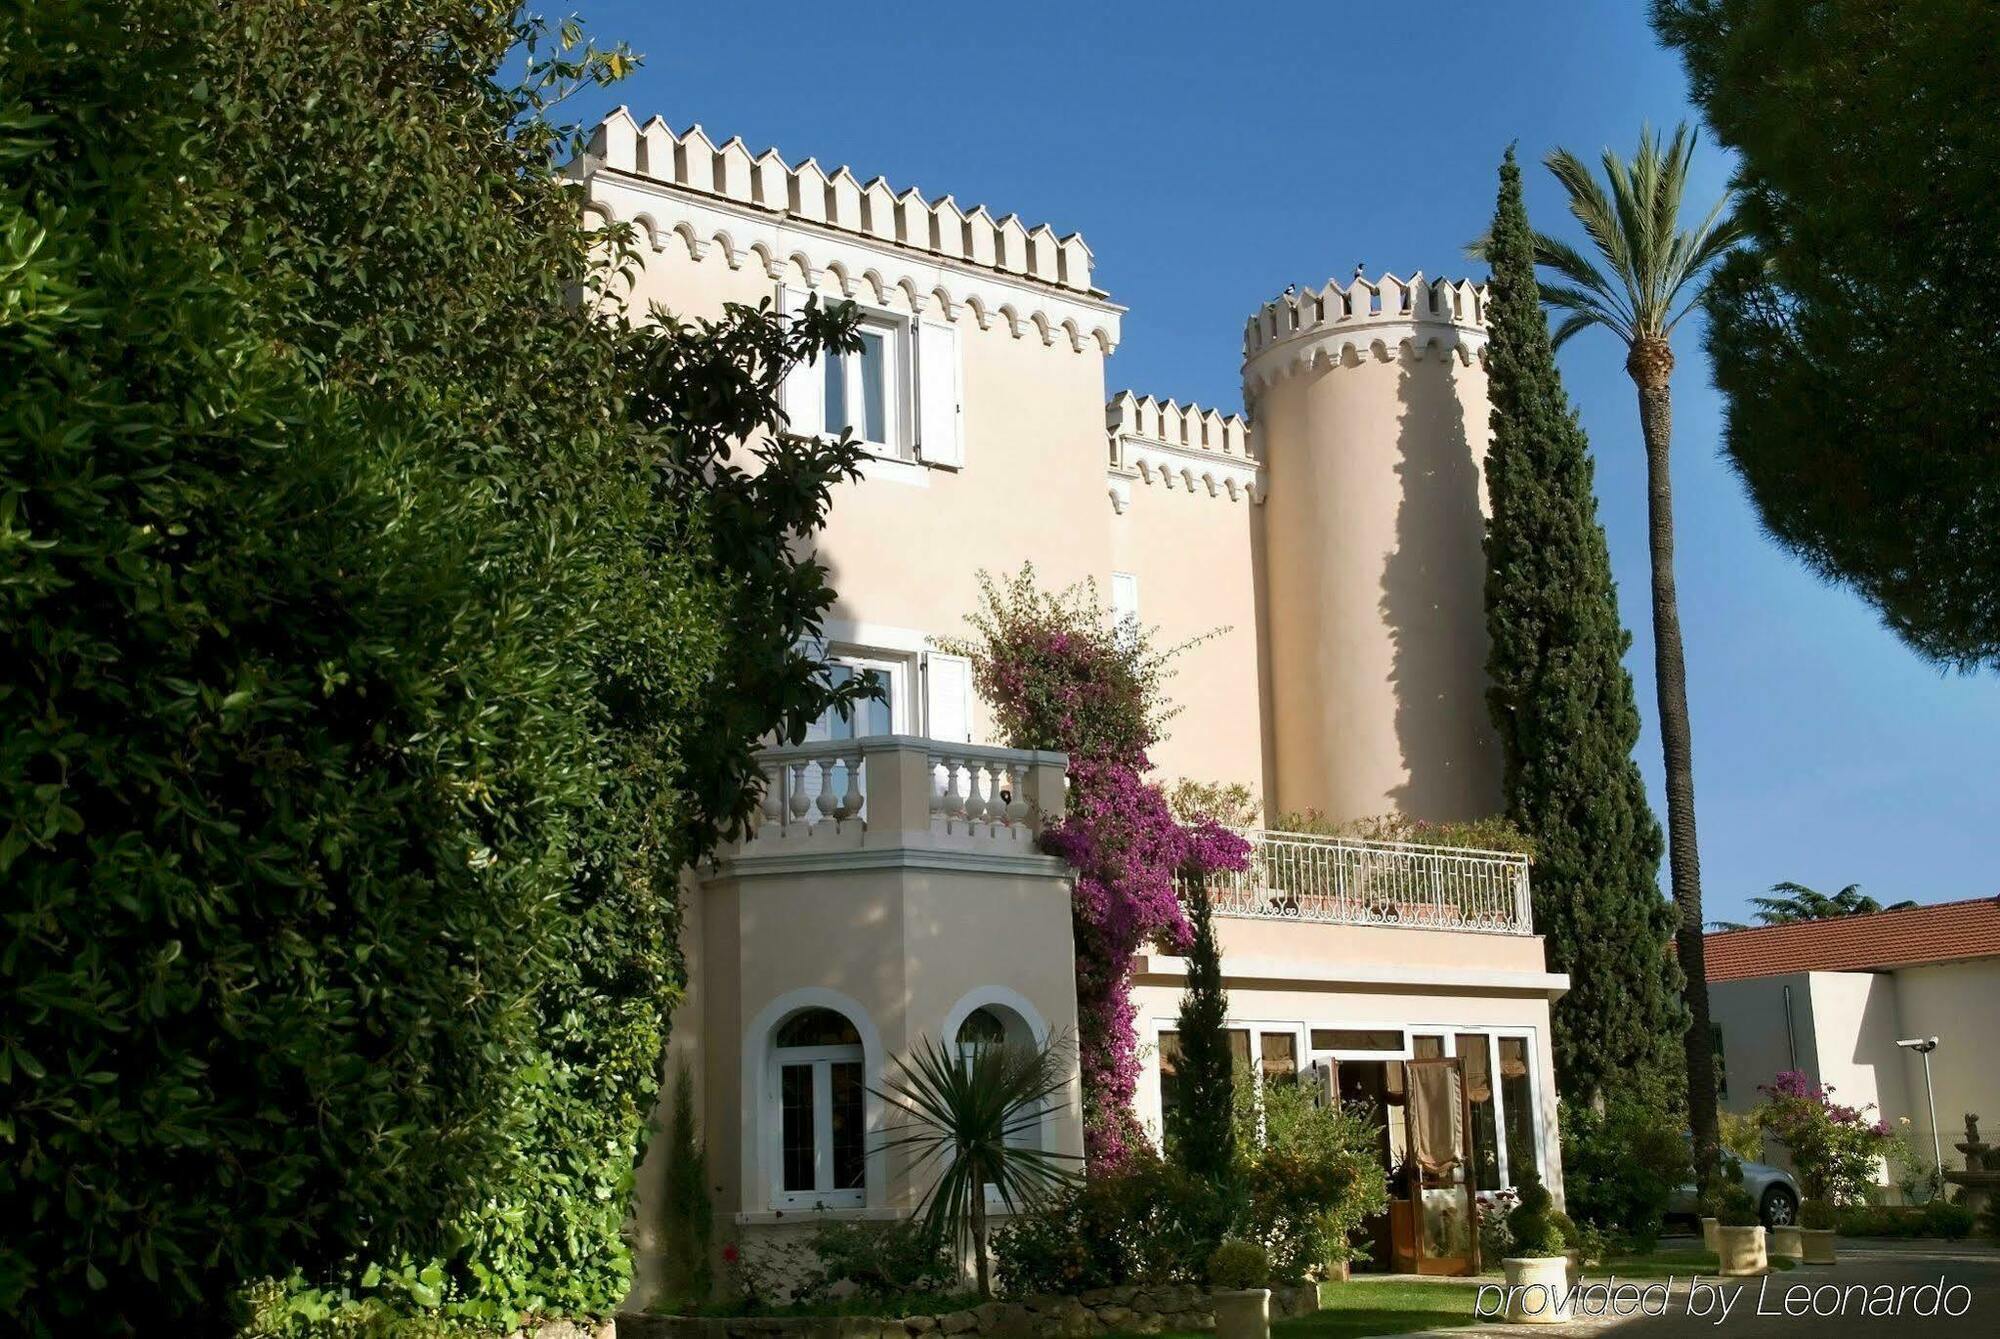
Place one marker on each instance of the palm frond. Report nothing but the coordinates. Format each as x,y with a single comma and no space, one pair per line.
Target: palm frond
1652,271
1570,325
965,1114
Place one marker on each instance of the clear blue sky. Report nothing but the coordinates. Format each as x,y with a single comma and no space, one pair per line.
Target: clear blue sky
1213,154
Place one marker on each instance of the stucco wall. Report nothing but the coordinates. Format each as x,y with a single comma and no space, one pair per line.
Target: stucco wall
904,545
900,948
1755,1043
1374,571
1193,554
1959,1004
1856,1022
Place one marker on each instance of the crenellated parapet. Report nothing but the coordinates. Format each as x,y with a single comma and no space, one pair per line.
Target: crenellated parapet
830,227
1382,320
1173,446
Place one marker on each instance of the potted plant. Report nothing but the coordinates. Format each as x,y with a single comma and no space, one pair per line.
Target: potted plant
1739,1235
1816,1233
1538,1289
1705,1208
1239,1274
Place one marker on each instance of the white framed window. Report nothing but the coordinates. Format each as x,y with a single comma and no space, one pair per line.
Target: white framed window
898,393
817,1092
1501,1066
885,714
1273,1052
862,389
1124,598
997,1025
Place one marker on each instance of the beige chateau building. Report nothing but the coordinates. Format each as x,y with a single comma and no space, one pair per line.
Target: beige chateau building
895,890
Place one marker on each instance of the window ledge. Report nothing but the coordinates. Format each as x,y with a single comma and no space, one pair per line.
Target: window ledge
773,1217
896,470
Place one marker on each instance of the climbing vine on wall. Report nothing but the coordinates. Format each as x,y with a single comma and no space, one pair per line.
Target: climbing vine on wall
1058,673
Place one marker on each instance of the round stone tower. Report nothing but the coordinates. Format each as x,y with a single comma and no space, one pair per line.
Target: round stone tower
1368,408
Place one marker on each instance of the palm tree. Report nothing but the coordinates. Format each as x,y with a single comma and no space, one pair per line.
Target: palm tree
1791,903
1647,274
971,1113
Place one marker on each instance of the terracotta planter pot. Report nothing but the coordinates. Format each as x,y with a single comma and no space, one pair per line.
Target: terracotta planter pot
1708,1226
1243,1315
1741,1250
1785,1242
1818,1245
1537,1289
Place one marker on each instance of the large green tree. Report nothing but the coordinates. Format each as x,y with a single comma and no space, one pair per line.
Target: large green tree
1790,902
1647,274
1854,338
381,628
1562,700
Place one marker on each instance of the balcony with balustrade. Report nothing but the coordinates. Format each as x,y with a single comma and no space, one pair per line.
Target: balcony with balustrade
905,792
1307,877
901,792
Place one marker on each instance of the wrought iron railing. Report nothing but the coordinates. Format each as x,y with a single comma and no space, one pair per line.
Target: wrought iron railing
1306,877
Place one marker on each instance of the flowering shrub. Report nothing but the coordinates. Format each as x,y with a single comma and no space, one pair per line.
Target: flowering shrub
1059,674
1833,1147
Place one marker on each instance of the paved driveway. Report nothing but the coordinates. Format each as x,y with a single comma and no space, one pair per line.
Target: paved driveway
1906,1289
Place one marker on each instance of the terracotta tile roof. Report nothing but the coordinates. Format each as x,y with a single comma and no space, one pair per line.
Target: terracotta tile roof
1946,932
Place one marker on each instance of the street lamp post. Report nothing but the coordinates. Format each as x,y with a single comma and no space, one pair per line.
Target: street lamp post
1923,1046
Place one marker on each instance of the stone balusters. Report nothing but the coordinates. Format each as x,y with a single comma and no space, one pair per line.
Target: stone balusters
807,787
890,790
975,791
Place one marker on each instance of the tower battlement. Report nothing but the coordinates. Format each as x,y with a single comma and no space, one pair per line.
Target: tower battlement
1365,318
1171,445
838,199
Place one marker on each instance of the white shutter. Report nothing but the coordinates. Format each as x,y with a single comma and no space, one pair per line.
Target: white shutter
947,698
804,392
1124,597
940,426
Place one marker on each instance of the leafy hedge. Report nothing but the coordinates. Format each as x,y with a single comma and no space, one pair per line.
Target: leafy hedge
1939,1218
382,631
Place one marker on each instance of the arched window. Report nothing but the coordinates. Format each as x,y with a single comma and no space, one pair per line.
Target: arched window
997,1025
981,1028
818,1088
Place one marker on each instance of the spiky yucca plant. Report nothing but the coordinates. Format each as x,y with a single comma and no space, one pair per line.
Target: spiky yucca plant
968,1114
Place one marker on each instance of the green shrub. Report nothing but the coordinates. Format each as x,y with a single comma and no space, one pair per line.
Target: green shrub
1332,1151
380,631
1735,1208
1816,1214
1949,1220
1151,1223
1532,1222
1493,833
1237,1265
879,1260
1936,1219
1622,1166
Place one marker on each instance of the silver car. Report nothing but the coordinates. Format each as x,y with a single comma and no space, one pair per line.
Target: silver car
1775,1192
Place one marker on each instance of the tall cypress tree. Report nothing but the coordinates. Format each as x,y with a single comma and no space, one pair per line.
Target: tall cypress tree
1202,1125
1563,702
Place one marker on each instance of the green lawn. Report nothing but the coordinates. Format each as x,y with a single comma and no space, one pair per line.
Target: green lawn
1367,1306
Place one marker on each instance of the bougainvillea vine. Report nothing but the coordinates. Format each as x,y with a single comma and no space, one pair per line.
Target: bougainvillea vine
1059,674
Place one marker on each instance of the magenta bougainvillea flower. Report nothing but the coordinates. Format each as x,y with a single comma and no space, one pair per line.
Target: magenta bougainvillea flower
1059,675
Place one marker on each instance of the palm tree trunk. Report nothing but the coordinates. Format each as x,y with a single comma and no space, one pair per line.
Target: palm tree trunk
1651,365
979,1240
